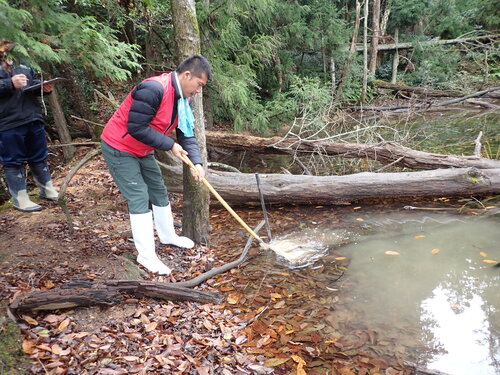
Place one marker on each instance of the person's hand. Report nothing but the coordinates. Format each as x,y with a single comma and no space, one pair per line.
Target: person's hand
48,87
199,173
19,80
178,151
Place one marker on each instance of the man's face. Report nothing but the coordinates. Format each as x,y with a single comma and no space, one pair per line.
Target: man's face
190,84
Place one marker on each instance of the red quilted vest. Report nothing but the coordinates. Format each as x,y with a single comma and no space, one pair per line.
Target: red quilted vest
115,132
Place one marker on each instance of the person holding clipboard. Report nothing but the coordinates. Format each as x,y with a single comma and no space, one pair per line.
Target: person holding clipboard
22,131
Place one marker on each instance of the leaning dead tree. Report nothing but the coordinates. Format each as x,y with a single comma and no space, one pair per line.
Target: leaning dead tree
424,106
383,152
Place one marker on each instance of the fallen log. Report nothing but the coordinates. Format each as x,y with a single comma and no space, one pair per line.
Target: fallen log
240,188
430,43
383,152
417,90
85,293
403,108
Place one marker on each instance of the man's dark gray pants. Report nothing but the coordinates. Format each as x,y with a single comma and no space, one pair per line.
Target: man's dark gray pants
139,179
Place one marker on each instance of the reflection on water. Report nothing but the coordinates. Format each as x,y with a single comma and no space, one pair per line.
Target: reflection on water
434,300
454,326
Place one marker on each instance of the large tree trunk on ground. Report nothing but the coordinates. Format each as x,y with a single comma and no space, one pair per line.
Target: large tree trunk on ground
240,188
86,293
384,152
195,223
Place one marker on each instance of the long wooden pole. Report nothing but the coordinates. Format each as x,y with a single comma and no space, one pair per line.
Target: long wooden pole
223,202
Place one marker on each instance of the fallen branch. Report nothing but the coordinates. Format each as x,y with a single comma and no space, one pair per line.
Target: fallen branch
226,267
483,104
62,190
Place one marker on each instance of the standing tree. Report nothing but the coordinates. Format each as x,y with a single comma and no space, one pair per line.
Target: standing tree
375,35
365,52
196,197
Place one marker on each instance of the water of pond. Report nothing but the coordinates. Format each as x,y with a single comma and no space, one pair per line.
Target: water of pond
426,287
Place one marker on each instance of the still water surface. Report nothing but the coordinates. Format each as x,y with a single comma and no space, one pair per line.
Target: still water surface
435,300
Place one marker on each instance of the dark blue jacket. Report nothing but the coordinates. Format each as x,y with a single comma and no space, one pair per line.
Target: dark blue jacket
18,107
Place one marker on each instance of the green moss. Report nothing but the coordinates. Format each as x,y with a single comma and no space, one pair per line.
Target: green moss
12,359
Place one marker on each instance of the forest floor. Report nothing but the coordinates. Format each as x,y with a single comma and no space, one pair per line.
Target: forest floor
273,320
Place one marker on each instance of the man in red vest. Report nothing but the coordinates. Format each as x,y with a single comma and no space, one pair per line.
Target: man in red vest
142,123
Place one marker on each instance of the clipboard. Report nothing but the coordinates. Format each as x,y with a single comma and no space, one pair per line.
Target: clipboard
39,85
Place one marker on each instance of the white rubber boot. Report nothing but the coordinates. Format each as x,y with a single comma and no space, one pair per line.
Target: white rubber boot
23,202
144,240
164,224
48,191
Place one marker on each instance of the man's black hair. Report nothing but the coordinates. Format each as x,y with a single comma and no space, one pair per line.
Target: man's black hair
196,64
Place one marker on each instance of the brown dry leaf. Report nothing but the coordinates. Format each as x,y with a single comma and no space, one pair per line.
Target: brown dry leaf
53,318
28,346
208,325
273,362
419,236
390,252
151,326
435,251
483,254
300,364
144,319
203,370
346,371
233,298
44,347
491,261
280,304
276,295
56,349
130,358
63,325
30,320
49,284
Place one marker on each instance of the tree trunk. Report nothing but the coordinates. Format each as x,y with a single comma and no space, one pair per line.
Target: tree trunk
375,35
365,52
196,196
241,188
61,125
383,152
395,59
84,293
352,49
385,17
